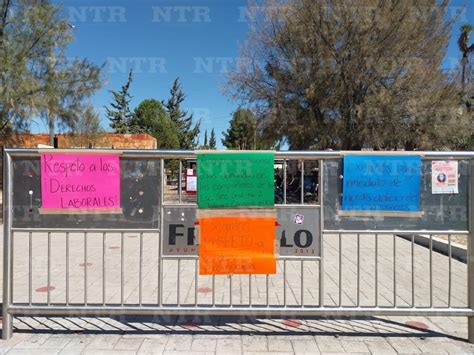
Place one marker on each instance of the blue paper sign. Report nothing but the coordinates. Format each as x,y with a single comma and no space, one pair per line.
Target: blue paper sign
381,183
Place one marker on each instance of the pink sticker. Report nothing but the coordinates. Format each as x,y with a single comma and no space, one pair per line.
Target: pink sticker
80,181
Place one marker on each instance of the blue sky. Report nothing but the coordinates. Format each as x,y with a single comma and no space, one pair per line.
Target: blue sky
164,39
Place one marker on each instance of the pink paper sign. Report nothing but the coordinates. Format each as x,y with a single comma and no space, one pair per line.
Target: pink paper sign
80,181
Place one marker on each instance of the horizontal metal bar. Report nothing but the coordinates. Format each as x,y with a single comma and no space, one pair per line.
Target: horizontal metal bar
277,311
278,257
83,230
321,154
395,231
279,206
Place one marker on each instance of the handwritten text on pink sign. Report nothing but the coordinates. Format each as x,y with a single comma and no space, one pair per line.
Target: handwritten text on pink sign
80,181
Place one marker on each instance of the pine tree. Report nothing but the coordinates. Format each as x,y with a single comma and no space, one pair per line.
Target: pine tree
205,146
37,78
212,140
119,114
242,133
183,121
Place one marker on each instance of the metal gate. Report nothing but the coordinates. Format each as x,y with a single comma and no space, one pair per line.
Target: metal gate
145,260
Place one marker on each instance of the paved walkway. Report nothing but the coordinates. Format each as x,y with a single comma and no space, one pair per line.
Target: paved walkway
230,335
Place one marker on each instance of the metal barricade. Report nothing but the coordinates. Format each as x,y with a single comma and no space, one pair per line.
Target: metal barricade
149,265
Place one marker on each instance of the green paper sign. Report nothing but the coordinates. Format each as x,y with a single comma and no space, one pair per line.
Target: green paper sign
235,180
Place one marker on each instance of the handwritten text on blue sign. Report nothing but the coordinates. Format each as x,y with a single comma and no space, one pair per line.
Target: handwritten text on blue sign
381,183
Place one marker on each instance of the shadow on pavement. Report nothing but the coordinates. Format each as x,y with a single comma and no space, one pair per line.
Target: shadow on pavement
205,325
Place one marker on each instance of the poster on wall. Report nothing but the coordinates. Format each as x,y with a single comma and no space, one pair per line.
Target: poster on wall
236,226
382,183
237,245
80,183
444,177
240,179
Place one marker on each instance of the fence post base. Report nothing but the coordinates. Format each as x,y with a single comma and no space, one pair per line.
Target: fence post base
470,329
7,326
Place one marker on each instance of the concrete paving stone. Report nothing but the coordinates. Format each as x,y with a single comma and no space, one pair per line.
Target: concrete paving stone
33,342
227,344
351,346
129,344
203,344
103,342
380,346
404,345
108,352
153,346
329,344
14,340
276,343
168,352
178,343
33,351
77,344
304,345
254,343
54,342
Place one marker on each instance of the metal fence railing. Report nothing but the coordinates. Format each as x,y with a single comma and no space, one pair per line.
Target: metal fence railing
146,263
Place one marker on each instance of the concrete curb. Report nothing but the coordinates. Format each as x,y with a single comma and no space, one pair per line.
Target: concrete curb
458,251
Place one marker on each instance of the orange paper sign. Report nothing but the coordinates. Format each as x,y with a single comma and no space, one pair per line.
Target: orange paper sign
237,245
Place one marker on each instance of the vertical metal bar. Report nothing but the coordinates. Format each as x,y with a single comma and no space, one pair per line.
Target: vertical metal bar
302,182
267,288
140,272
179,180
394,270
321,229
30,268
302,283
284,182
284,282
67,268
85,268
449,270
104,288
178,283
340,270
196,279
250,290
7,319
230,287
12,267
470,254
48,301
376,271
431,270
413,270
213,290
358,270
122,260
160,237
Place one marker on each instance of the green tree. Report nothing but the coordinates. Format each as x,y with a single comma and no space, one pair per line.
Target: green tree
150,117
87,128
187,133
36,77
350,74
466,50
242,133
119,114
205,145
212,140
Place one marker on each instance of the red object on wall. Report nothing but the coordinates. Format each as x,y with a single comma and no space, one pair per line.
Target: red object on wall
190,182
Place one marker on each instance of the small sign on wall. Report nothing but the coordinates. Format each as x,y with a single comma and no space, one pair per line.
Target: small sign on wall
80,183
444,177
381,183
